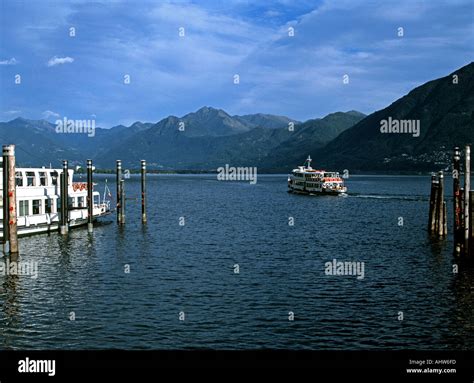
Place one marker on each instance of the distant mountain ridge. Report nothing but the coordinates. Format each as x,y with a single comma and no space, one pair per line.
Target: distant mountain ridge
165,146
208,121
38,141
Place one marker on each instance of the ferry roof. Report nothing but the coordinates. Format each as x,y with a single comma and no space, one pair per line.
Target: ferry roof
309,170
42,169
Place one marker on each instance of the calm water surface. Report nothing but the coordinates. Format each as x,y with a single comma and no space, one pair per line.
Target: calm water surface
190,269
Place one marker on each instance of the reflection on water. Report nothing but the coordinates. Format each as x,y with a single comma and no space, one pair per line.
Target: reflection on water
189,268
10,305
463,292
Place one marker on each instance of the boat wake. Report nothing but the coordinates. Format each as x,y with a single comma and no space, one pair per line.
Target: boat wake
393,197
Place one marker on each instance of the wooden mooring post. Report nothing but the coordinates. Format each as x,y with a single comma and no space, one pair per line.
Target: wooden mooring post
445,219
64,188
143,174
463,233
122,199
90,198
437,215
471,215
119,193
433,197
457,202
10,237
467,189
5,227
440,210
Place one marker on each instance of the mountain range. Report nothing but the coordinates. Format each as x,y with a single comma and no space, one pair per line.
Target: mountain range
209,137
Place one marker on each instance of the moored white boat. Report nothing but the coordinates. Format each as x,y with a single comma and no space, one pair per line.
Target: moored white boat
39,203
306,180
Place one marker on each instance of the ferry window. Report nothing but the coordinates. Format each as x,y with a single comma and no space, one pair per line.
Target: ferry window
48,206
36,206
70,202
43,179
80,201
24,208
54,178
19,178
30,179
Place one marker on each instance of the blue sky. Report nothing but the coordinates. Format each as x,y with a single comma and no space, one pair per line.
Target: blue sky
300,76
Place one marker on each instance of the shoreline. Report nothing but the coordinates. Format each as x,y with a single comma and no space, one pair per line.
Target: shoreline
194,172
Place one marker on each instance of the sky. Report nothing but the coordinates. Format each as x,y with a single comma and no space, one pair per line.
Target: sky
118,62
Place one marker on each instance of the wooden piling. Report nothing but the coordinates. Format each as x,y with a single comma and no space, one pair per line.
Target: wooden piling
90,198
445,220
467,188
433,198
12,222
6,236
122,198
457,202
439,206
143,173
471,215
119,192
64,219
10,236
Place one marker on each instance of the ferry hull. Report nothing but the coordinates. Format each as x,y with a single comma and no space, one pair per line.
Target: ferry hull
42,228
317,192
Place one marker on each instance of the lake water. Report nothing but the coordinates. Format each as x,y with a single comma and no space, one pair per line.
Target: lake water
190,269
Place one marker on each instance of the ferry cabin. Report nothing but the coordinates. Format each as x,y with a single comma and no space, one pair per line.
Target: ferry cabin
315,180
39,202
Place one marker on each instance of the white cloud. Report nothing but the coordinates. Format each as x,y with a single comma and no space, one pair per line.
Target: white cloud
53,61
272,13
11,61
10,112
48,113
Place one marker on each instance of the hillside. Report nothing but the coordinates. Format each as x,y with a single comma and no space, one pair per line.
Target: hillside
445,111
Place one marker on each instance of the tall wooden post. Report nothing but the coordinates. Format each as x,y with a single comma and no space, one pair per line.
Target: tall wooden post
119,192
122,198
10,237
12,223
445,219
439,206
6,236
457,202
90,198
467,188
433,198
64,222
143,162
471,214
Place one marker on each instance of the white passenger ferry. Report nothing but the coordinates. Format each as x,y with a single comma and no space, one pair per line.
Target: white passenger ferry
39,202
306,180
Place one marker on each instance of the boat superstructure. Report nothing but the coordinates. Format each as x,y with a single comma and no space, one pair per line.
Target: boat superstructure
39,203
306,180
